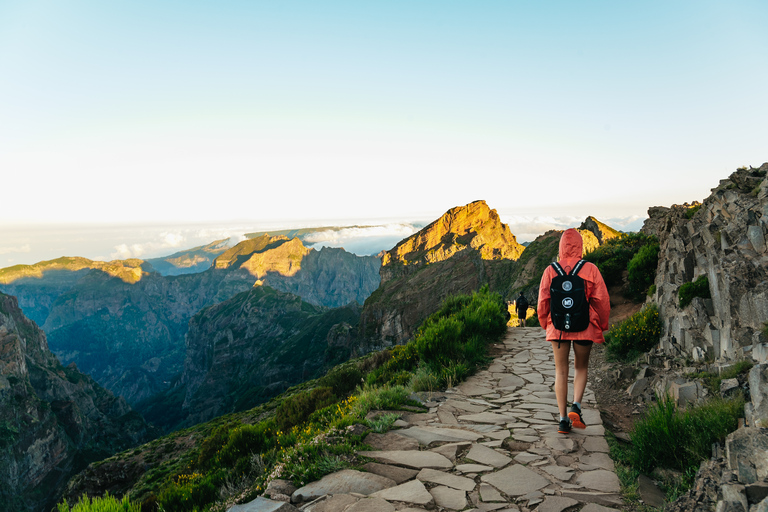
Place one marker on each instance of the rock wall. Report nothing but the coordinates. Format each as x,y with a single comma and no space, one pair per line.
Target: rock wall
724,239
55,420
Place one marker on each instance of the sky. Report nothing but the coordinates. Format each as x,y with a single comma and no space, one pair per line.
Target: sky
134,125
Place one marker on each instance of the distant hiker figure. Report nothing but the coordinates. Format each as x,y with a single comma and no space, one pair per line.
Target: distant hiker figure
573,306
521,305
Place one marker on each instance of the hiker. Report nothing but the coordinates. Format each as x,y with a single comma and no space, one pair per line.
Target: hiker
521,305
581,316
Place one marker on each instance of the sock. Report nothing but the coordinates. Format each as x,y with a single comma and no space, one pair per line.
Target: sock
563,419
577,404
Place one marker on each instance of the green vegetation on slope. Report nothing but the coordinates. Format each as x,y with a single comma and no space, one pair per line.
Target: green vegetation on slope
697,288
635,335
310,430
635,253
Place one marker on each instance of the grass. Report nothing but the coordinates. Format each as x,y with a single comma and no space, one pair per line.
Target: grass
105,504
671,438
712,380
312,431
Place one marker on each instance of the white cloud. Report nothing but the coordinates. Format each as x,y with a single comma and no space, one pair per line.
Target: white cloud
172,239
403,230
11,250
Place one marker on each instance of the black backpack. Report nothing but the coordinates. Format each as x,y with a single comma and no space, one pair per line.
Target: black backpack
521,303
568,300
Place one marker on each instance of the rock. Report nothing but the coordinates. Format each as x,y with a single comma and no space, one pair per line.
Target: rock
725,241
756,492
489,493
446,479
599,480
277,486
594,507
747,454
650,493
487,456
398,474
734,499
556,504
516,480
449,498
597,444
370,505
638,387
560,472
342,482
412,459
758,391
429,435
390,441
412,492
728,387
331,503
263,505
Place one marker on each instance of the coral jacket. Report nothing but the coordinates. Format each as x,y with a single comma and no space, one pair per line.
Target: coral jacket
571,249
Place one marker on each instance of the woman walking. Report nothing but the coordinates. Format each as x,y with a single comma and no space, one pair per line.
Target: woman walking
567,294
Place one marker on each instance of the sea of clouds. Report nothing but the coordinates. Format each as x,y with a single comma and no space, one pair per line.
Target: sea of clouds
31,244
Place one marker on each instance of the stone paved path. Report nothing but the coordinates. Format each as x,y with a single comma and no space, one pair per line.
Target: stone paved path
491,443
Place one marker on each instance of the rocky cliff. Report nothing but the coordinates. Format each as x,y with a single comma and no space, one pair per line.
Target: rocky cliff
724,240
250,348
124,323
190,261
55,420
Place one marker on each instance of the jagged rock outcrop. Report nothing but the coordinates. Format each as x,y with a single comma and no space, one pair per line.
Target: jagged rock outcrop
465,248
124,323
55,419
722,239
252,347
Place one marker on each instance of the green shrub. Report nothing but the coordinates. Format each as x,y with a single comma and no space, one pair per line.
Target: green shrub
297,408
635,335
342,380
697,288
681,439
105,504
614,255
191,492
440,342
244,441
641,270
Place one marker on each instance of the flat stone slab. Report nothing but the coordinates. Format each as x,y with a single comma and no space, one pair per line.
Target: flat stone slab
526,458
446,497
594,507
488,456
441,478
516,480
490,494
332,503
473,468
465,406
412,492
600,480
599,498
410,458
396,473
391,441
344,482
370,505
556,504
469,389
428,435
560,472
596,444
596,461
263,505
561,444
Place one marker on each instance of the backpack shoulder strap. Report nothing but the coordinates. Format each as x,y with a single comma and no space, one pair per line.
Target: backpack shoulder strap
558,268
578,267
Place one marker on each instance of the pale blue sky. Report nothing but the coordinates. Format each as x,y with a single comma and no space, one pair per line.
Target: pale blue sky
170,112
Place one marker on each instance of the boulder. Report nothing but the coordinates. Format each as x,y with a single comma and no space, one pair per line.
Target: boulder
263,505
747,454
757,410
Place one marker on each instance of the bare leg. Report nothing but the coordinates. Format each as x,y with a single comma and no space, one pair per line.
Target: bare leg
581,366
561,373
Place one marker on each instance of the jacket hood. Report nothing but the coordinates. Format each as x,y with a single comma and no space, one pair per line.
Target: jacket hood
571,245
